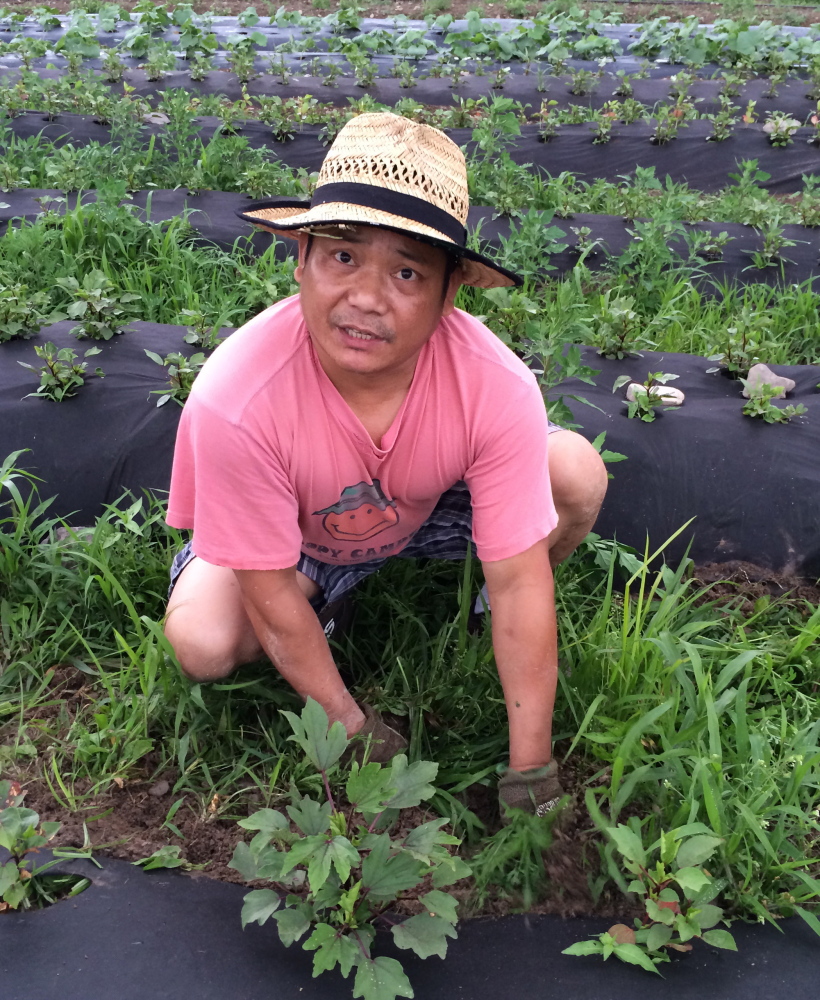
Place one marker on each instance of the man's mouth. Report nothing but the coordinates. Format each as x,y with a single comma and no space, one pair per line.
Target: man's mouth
359,334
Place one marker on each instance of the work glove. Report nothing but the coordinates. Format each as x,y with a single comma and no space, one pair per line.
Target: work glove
384,742
537,792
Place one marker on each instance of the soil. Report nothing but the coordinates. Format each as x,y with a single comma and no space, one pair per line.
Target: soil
128,822
742,584
631,12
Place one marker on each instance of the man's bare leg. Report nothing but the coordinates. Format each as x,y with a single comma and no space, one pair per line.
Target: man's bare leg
579,481
207,624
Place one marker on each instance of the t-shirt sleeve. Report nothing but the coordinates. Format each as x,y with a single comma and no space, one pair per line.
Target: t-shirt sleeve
232,489
509,479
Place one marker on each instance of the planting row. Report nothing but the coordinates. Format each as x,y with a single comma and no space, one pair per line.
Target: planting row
56,83
590,36
114,435
607,149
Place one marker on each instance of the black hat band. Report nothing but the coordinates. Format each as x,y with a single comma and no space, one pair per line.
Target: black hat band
382,199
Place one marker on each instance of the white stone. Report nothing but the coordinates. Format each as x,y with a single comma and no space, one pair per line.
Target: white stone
763,375
669,394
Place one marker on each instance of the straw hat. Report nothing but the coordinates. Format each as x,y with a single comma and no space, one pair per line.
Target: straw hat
387,171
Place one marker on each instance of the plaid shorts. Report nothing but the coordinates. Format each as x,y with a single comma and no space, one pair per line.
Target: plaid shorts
446,534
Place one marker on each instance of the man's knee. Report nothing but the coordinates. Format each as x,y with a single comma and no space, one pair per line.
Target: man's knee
578,476
206,656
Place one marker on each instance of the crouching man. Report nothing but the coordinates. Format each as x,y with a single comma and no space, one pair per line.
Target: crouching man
367,418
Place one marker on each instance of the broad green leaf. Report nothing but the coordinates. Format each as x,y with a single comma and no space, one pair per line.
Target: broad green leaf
15,894
441,904
412,783
270,863
584,948
661,914
449,871
669,847
720,939
332,947
368,788
658,936
635,956
424,934
8,876
258,906
292,922
155,357
301,851
322,746
244,862
384,877
339,853
310,816
707,916
269,821
422,839
691,880
628,843
686,928
381,979
15,824
696,850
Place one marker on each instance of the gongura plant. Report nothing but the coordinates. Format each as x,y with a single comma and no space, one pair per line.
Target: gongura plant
22,884
104,311
647,396
62,374
339,865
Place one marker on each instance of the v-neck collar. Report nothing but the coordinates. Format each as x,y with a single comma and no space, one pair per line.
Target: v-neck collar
345,415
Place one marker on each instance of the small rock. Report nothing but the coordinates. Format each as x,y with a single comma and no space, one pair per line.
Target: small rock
763,375
670,395
155,118
159,789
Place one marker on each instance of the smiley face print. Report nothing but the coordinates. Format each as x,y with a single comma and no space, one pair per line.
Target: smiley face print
361,512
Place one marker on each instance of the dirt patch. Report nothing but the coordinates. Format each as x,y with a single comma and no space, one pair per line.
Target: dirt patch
742,584
129,823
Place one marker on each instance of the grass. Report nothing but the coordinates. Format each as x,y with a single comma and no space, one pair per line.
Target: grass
682,710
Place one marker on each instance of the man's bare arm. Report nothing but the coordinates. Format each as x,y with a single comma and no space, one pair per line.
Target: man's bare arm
525,641
289,632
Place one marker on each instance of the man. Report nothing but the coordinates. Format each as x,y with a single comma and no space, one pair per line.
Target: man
367,417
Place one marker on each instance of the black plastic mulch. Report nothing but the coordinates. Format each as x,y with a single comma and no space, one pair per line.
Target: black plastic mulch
161,935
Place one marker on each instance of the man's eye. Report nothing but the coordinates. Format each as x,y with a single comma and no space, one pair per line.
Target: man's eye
343,257
407,273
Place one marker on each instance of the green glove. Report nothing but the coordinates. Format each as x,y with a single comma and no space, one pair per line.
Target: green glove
536,792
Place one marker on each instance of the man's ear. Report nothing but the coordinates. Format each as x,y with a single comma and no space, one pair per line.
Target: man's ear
456,281
303,242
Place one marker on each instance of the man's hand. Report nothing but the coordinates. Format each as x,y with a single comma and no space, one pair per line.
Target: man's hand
526,650
290,633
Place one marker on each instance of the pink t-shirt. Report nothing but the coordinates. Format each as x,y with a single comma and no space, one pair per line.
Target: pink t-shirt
270,461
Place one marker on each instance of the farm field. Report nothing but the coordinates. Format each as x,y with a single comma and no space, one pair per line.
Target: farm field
656,182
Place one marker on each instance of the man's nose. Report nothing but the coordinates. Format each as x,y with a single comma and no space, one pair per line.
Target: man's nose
367,291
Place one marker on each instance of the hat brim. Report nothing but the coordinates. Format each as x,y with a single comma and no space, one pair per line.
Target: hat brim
287,218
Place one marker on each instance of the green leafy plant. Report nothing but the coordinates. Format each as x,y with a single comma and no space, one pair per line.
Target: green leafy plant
677,894
618,330
201,332
760,404
747,341
648,396
22,834
61,375
352,867
780,128
104,311
167,857
182,373
23,312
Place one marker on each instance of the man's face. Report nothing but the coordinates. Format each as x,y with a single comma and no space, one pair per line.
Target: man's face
372,299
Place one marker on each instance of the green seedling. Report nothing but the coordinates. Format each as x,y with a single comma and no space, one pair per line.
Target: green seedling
23,887
104,312
619,330
648,399
61,375
677,893
23,312
168,857
760,404
201,333
780,128
709,245
748,341
336,869
182,373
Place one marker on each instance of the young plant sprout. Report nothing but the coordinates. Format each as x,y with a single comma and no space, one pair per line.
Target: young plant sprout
61,375
781,128
760,404
645,398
